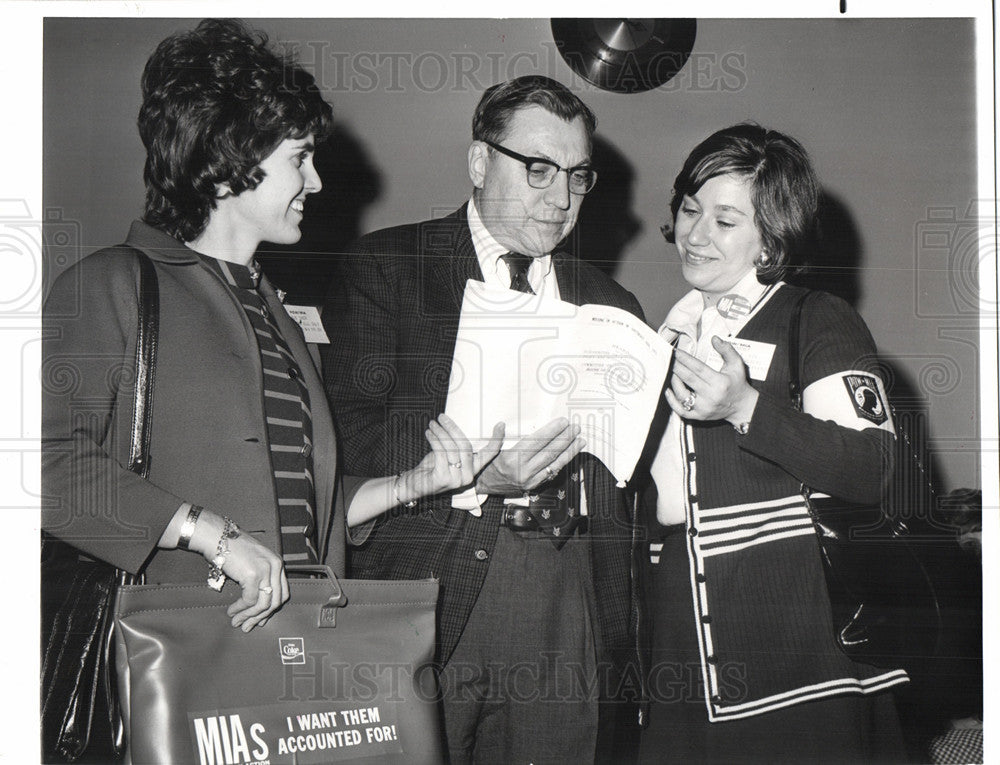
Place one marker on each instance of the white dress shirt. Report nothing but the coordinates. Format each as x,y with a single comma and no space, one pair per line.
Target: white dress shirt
494,268
495,272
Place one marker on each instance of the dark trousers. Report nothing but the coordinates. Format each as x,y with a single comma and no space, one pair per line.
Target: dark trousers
522,684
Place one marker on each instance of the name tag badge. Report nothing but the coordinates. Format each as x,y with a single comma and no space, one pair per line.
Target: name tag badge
756,355
307,317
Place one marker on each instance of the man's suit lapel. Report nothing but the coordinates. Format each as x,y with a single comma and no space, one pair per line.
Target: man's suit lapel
448,261
567,277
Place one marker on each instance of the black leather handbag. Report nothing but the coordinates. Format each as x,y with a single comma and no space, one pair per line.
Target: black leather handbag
80,717
884,602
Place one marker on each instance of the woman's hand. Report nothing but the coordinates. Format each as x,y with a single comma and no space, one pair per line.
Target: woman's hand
260,573
258,570
451,464
698,392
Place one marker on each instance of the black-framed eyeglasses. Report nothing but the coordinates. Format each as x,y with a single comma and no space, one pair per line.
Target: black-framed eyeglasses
542,172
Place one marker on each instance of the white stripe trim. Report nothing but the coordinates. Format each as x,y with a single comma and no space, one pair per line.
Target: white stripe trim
843,682
707,513
759,519
696,563
802,531
758,523
841,687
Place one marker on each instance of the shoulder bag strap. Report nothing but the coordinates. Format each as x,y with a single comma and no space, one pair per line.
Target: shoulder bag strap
145,365
794,373
147,340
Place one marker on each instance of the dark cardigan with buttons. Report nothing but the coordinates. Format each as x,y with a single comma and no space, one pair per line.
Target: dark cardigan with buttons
756,574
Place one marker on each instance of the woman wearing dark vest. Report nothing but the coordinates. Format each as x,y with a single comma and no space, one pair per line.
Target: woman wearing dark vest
744,666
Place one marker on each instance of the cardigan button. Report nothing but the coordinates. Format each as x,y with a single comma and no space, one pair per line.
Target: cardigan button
293,373
700,578
481,554
717,700
706,619
692,456
693,499
693,531
712,659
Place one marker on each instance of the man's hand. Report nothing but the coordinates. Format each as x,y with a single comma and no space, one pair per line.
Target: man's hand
532,461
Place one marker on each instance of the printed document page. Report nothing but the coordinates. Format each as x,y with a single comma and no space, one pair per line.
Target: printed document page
526,360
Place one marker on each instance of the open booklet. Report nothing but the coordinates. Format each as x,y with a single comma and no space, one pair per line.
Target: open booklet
526,359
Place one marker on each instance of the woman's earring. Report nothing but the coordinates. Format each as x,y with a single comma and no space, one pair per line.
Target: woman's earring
763,260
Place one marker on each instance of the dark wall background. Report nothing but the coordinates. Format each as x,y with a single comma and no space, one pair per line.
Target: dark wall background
886,107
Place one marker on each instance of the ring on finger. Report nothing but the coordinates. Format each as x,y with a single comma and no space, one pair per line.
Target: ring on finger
550,472
688,403
457,464
266,590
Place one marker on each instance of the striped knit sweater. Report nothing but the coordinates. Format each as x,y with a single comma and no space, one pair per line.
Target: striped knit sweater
760,597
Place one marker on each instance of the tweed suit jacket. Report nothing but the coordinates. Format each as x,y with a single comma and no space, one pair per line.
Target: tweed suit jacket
392,316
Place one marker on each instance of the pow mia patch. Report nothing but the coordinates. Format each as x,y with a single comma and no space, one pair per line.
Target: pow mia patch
868,402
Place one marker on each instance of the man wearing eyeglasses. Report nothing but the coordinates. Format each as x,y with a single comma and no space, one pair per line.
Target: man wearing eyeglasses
536,617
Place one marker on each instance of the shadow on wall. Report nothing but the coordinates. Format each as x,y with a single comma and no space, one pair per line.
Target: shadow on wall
948,685
833,263
351,183
607,223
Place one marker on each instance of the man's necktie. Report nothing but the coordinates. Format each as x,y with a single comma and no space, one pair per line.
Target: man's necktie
518,266
553,507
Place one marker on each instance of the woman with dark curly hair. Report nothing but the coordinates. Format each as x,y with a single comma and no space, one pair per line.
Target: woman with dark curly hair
745,667
243,454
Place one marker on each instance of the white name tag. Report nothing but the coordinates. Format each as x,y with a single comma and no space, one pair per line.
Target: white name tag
757,356
307,317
